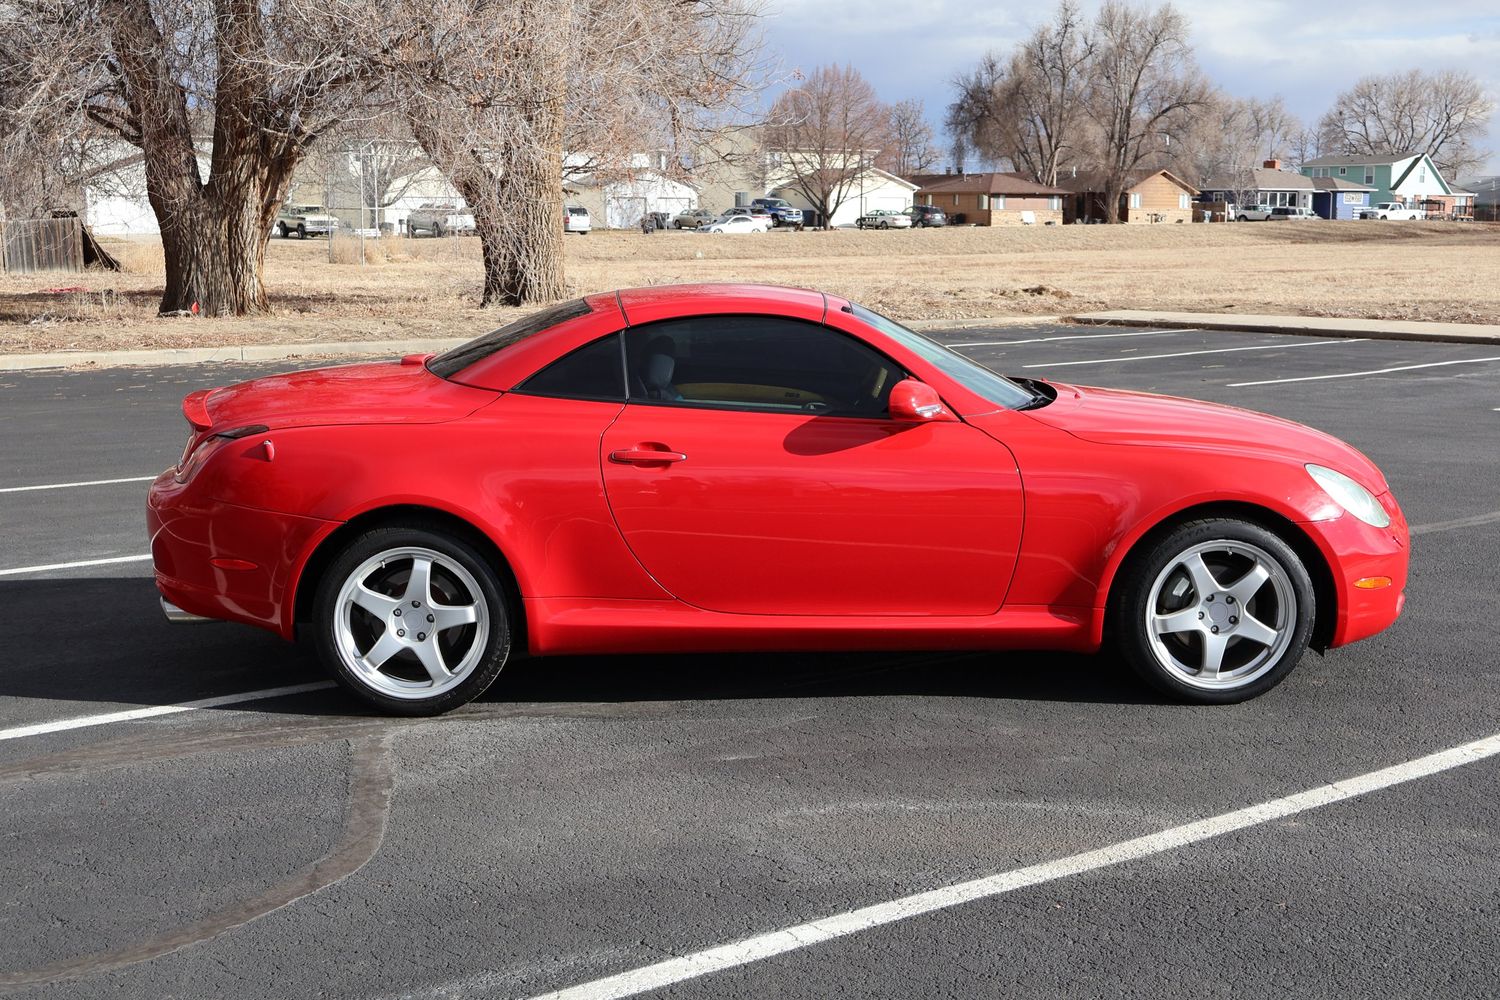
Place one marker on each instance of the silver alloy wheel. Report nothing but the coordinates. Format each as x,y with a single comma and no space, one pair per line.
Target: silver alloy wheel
411,622
1221,614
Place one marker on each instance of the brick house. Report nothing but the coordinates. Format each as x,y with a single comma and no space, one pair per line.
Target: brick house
1149,196
994,199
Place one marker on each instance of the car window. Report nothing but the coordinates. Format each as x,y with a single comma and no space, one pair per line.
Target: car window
969,373
452,362
594,371
762,363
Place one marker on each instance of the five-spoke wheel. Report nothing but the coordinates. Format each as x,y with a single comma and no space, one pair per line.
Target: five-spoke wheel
1216,611
412,620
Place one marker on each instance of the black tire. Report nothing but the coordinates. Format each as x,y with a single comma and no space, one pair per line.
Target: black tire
1132,602
282,226
301,231
437,230
500,605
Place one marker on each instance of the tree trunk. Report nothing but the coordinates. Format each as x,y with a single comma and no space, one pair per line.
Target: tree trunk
526,264
1114,190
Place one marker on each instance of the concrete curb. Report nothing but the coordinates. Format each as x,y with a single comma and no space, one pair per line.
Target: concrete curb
384,348
1317,326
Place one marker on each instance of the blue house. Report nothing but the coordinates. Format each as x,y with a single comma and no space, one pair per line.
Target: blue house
1339,198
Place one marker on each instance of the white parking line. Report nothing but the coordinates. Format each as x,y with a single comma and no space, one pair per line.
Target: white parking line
1458,522
68,486
18,570
753,949
1375,371
1188,354
85,721
1082,336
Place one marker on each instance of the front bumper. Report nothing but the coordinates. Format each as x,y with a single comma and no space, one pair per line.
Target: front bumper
1357,552
224,561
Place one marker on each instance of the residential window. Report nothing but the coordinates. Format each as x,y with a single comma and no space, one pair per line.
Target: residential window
1135,199
984,202
1055,203
1184,201
955,201
1369,175
1343,171
999,203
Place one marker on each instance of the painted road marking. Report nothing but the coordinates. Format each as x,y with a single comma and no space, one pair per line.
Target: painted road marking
1217,350
68,486
1376,371
1459,522
761,946
85,721
1082,336
17,571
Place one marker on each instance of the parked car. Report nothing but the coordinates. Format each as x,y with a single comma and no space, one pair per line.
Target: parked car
1253,213
305,219
1291,212
884,218
1392,210
613,474
693,218
927,215
440,218
782,212
738,222
576,220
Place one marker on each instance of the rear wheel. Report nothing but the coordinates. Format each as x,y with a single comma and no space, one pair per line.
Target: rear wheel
412,620
1218,611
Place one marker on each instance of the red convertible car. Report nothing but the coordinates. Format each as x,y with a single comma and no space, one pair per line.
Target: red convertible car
729,467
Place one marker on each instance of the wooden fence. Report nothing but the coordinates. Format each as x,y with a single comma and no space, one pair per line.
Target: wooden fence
42,245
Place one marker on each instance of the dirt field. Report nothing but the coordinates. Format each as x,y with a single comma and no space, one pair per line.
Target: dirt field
1432,271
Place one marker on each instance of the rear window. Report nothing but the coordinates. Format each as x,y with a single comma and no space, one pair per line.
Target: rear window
451,363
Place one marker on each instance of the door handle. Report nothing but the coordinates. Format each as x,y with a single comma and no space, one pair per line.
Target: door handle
643,455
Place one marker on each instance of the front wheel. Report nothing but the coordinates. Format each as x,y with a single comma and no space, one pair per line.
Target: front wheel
1217,611
412,620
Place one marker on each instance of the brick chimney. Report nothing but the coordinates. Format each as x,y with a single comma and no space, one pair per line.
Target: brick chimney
1272,164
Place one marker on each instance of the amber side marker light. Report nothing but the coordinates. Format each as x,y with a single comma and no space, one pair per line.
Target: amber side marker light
1373,582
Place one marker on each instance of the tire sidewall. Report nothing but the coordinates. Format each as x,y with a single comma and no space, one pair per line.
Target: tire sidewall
1134,592
492,591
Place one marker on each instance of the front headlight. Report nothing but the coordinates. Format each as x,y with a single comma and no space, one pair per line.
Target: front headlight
1350,495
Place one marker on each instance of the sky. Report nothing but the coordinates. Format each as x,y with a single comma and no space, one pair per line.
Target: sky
1305,52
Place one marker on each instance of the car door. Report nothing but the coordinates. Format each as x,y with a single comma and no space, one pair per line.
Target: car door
755,470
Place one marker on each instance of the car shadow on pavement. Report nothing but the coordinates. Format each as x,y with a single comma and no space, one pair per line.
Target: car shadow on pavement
104,640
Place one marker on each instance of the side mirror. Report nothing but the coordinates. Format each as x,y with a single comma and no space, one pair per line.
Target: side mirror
917,401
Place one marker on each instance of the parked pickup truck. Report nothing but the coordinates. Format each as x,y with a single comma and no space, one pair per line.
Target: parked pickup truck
439,218
304,219
1391,210
781,211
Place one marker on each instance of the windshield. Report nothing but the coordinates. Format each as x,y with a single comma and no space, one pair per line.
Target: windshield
970,374
451,363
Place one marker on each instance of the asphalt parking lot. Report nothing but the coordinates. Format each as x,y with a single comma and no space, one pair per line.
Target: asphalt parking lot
593,817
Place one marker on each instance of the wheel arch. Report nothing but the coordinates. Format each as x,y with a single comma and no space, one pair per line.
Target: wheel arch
1324,590
309,575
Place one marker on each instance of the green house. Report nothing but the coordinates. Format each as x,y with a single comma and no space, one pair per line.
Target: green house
1410,178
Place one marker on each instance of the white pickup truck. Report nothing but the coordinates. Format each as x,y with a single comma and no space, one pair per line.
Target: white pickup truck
1391,210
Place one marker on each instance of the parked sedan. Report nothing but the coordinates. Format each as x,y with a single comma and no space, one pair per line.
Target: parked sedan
716,468
884,218
440,219
692,218
738,223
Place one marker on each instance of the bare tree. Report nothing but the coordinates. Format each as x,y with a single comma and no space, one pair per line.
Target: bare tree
1442,114
496,93
907,146
1272,126
221,98
1029,111
1142,89
826,133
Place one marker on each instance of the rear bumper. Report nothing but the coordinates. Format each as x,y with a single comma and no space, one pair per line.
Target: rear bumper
223,561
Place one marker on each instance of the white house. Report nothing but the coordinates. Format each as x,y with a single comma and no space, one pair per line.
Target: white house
873,188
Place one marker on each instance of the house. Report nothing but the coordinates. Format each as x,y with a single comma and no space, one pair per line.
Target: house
994,199
1338,198
1409,178
736,170
1486,194
1149,196
1266,184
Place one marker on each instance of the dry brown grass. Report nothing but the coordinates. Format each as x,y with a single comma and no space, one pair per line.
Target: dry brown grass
427,288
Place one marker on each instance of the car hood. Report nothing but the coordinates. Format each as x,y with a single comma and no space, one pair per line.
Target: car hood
1123,417
391,392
